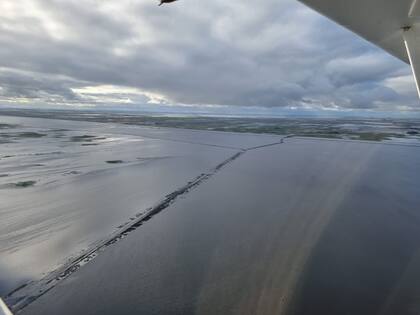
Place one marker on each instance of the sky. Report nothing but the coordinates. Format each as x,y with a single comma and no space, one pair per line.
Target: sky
269,56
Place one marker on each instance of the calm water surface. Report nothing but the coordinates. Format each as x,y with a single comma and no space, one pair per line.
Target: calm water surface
59,194
305,227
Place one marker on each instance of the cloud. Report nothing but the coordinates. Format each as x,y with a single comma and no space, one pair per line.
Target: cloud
275,53
20,85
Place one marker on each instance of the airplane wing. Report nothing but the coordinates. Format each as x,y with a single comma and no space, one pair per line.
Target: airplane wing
393,25
4,309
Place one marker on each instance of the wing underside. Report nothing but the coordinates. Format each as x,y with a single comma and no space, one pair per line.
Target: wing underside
390,24
4,310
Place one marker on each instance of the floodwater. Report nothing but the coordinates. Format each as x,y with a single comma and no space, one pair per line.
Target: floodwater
303,227
66,185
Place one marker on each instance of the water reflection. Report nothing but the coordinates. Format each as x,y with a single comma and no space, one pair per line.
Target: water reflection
366,261
306,227
60,193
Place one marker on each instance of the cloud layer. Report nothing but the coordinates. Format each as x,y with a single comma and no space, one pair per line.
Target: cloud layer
271,53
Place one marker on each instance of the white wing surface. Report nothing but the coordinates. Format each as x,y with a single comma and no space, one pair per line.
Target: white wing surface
4,309
393,25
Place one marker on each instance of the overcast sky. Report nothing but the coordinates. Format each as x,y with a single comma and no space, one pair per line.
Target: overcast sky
132,54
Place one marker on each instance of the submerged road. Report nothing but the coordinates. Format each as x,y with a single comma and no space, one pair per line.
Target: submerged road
302,227
69,189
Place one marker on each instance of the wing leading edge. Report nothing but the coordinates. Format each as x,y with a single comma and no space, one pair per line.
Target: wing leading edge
393,25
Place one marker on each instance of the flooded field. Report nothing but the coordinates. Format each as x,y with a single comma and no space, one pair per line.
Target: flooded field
66,185
404,130
298,227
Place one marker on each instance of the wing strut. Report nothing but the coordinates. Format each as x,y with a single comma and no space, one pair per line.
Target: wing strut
414,9
393,25
412,44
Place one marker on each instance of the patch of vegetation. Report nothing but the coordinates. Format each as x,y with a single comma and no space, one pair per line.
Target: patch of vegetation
30,134
375,136
115,161
84,138
7,126
24,184
7,137
320,135
87,139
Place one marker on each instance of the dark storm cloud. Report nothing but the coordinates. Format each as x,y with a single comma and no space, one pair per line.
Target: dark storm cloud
15,84
271,53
